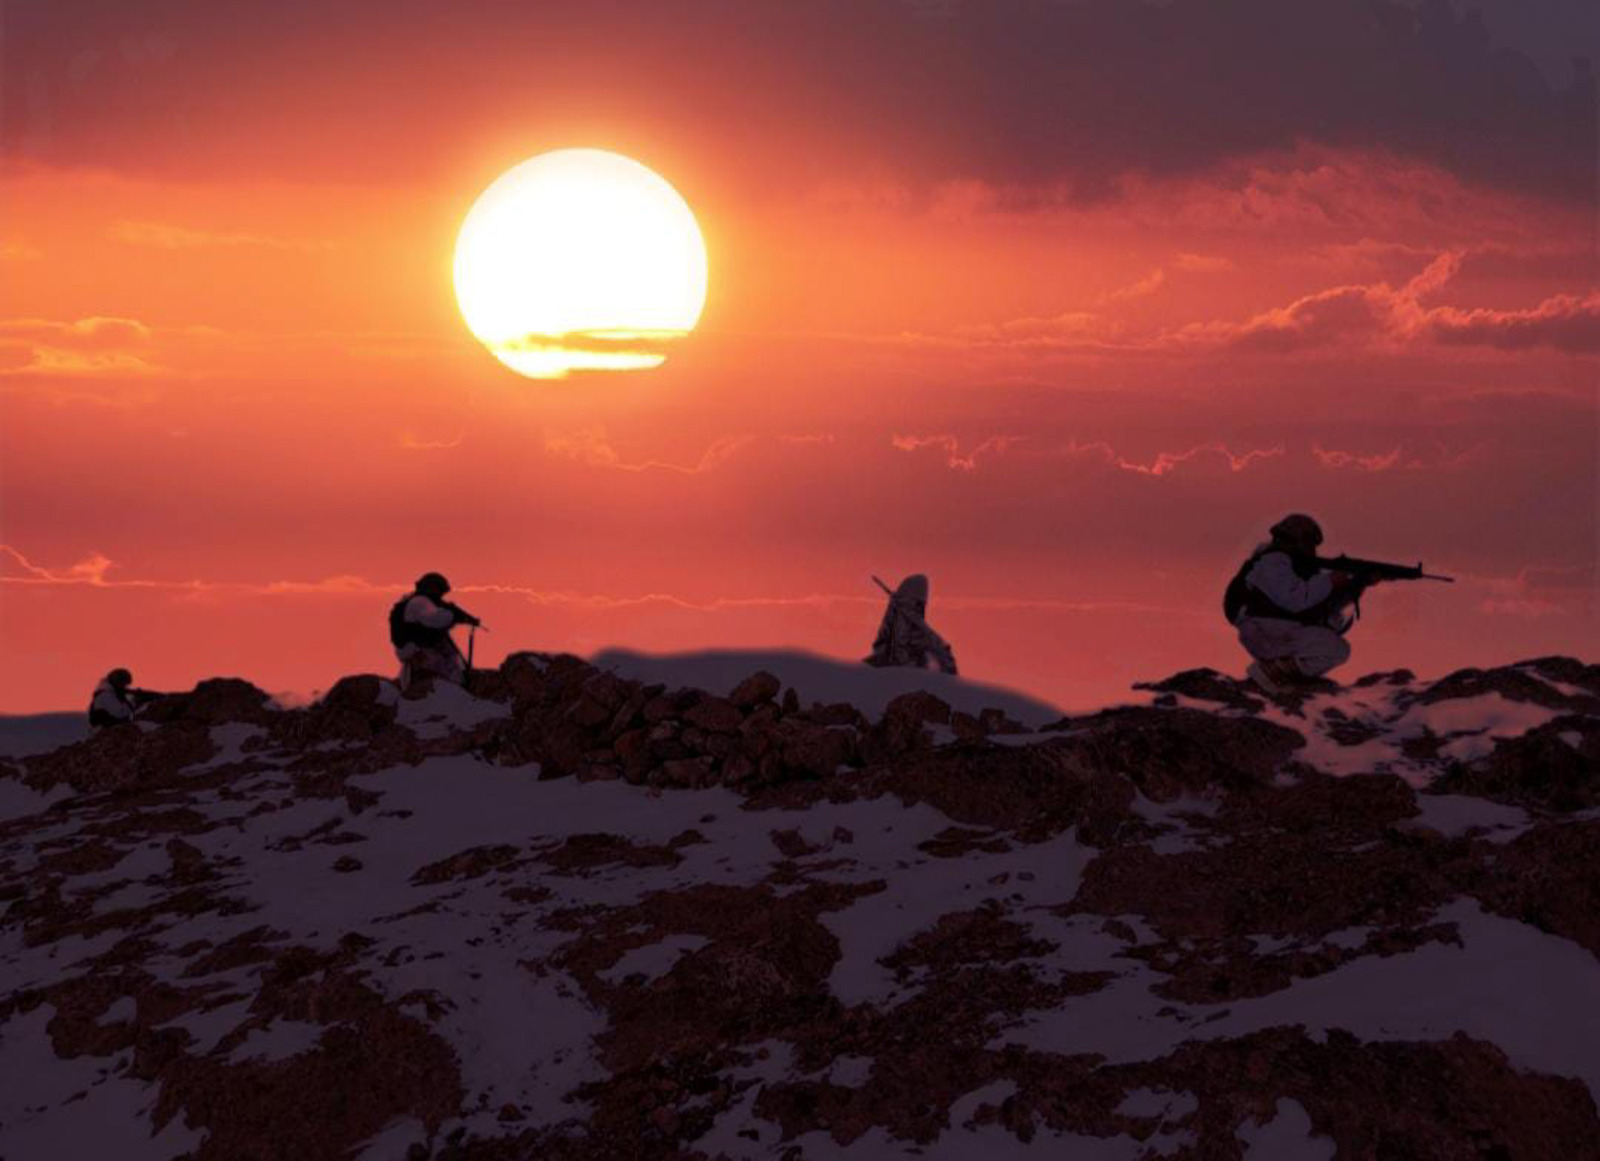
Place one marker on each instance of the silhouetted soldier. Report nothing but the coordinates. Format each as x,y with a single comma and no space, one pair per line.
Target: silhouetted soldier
904,636
419,629
1291,612
116,701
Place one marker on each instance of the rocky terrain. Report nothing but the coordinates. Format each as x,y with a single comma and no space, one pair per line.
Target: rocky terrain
570,915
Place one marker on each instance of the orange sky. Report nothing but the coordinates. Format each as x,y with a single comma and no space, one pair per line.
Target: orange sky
1067,344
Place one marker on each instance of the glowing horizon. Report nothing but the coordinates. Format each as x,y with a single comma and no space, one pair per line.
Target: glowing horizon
1062,305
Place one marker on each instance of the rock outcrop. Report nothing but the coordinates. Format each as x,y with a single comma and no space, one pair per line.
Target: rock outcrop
568,915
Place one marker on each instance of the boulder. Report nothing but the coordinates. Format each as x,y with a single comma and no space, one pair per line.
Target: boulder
918,706
608,690
355,709
714,715
122,757
633,751
1206,685
213,702
1554,767
839,713
997,721
966,727
490,685
524,675
813,751
688,773
1169,751
1516,683
755,689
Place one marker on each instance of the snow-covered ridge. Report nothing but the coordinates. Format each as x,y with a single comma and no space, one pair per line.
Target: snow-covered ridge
572,915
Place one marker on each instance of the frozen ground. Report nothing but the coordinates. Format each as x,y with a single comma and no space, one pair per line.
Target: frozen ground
849,969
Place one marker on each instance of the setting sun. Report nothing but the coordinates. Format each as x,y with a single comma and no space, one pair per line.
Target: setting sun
579,259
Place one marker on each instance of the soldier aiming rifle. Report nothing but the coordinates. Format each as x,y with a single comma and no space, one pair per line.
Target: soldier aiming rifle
1293,608
116,700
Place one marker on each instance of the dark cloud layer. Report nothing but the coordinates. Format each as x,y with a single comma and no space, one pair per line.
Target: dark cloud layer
1018,92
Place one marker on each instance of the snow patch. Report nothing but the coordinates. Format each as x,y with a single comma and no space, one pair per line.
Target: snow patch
1459,814
207,1027
1349,939
653,960
924,888
39,1116
1527,992
1163,1103
279,1040
19,801
446,710
394,1140
229,738
1180,837
1480,721
1286,1137
770,1062
850,1071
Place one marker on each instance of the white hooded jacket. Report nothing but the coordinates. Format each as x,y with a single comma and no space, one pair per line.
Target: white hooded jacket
108,701
1273,576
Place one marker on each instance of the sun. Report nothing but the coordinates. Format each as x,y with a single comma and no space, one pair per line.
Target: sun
580,260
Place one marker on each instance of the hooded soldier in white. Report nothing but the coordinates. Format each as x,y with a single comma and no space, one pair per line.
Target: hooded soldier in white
904,636
419,629
1291,614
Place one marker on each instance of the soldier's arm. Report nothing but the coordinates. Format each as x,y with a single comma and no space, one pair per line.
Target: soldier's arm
423,611
1274,575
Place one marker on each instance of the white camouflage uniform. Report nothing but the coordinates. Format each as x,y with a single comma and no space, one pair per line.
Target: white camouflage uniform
109,701
416,660
1315,649
904,637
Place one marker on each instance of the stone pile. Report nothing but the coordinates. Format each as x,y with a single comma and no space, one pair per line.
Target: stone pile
566,715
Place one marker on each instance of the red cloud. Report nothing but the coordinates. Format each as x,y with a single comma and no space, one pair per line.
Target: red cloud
1344,459
1564,322
18,569
1381,315
994,445
1164,463
591,447
1143,288
86,345
1343,314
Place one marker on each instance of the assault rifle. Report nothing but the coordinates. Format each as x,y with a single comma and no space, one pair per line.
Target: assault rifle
1369,572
